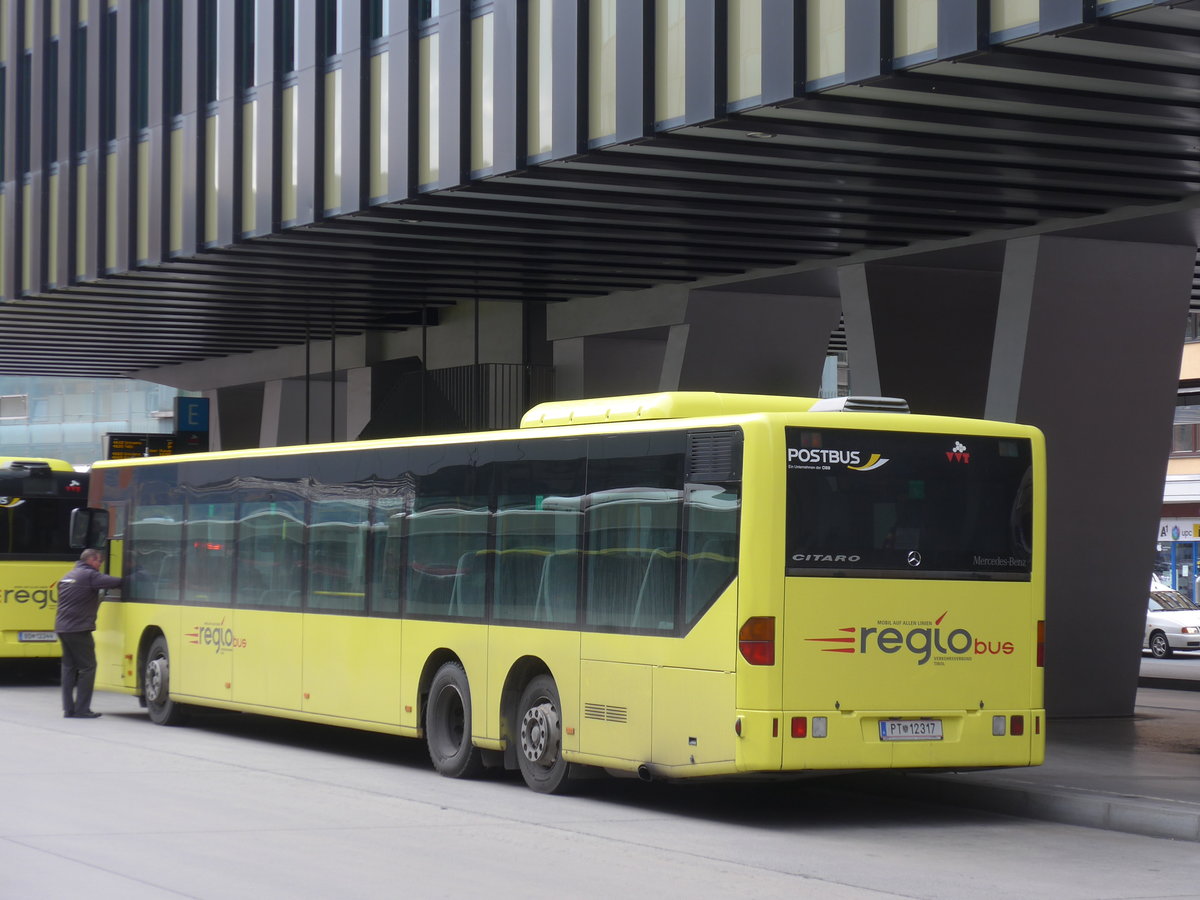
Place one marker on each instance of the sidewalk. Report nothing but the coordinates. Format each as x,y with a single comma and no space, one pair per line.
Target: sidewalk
1139,775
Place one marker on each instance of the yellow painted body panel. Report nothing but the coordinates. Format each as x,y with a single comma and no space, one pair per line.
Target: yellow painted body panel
203,651
28,602
267,658
348,667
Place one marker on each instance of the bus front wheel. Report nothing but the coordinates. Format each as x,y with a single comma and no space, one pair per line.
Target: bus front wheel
539,737
448,724
156,686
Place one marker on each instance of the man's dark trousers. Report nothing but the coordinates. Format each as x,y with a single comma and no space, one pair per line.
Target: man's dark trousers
78,670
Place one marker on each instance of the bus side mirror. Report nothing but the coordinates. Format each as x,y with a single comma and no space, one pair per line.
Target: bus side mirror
89,528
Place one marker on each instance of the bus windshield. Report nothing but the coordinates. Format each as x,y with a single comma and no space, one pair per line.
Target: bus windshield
35,511
885,504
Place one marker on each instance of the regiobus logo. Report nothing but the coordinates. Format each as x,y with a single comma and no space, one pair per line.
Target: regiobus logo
216,635
20,595
923,640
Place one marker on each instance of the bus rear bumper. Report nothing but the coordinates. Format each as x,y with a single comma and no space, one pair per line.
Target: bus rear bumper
22,644
840,740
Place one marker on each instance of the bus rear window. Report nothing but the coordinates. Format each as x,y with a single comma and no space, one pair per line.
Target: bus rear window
885,504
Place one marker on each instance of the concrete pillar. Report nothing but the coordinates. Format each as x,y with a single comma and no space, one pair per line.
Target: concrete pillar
1082,338
1087,347
235,416
357,408
749,342
608,365
921,332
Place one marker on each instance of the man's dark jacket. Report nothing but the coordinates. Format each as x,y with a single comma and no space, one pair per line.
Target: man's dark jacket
79,597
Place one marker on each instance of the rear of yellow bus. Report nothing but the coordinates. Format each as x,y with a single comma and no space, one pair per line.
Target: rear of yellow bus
36,499
907,627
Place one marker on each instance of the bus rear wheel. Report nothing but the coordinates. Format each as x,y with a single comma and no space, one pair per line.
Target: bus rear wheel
448,724
156,686
539,737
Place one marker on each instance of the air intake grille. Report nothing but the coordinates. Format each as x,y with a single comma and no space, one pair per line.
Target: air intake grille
604,713
714,456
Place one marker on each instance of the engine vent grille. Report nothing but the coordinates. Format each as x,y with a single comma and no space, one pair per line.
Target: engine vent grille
604,713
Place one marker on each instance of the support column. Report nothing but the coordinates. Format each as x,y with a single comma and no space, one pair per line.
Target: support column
921,332
751,343
1087,347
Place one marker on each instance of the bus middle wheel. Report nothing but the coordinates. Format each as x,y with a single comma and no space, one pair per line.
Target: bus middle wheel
448,724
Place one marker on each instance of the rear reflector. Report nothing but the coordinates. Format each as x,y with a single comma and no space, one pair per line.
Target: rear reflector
799,726
1041,643
756,640
1017,725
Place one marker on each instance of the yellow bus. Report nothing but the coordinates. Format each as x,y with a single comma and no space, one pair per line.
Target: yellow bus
669,586
37,497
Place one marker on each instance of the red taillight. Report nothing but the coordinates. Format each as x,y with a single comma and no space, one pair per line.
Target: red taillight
1041,644
756,640
1016,725
799,726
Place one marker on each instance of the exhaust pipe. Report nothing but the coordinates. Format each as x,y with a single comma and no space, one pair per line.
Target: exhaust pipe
644,773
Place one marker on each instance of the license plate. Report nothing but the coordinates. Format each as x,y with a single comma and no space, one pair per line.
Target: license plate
26,637
910,729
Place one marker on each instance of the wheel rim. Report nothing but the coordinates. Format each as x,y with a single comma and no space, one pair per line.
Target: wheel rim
1158,645
540,735
156,679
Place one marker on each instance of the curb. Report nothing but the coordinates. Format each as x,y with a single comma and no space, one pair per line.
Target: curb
1110,812
1170,684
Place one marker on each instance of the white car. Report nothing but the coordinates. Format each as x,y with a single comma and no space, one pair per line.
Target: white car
1172,622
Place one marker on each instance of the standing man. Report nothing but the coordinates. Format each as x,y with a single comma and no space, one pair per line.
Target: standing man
78,601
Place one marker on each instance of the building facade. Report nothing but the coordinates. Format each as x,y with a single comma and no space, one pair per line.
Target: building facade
67,418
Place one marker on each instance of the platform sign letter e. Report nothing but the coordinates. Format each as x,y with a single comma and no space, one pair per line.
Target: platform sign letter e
191,414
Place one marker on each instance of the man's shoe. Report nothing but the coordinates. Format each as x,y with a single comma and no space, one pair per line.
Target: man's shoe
87,715
68,715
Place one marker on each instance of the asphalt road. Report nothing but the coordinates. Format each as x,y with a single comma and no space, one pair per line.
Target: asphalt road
1181,666
241,806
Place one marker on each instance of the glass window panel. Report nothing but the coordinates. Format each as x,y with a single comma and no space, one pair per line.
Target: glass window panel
538,532
710,512
632,522
35,528
925,505
154,550
387,554
270,546
209,553
337,555
446,562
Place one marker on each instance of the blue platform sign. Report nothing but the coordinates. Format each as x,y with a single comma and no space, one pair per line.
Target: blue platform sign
191,414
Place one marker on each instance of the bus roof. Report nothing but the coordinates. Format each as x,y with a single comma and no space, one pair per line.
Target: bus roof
693,404
663,405
35,462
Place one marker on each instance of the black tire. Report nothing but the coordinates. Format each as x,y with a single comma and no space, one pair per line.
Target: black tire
448,724
539,738
1160,647
156,686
